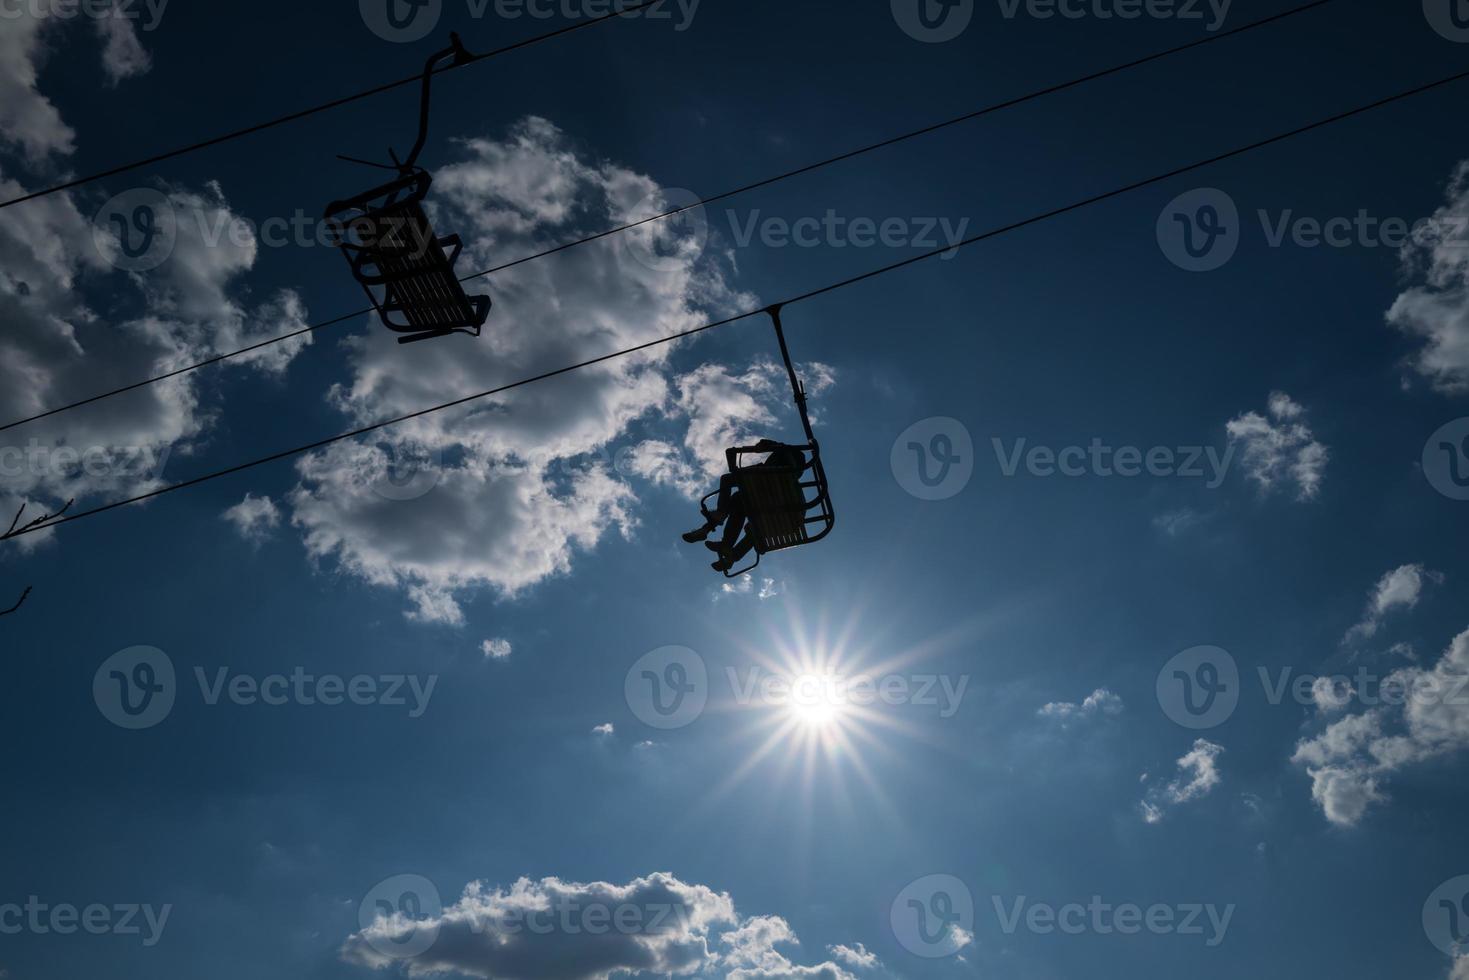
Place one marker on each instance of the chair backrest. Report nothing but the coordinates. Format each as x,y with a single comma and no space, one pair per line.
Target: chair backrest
777,506
404,267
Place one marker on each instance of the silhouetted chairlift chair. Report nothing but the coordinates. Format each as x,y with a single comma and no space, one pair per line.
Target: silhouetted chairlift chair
787,506
406,270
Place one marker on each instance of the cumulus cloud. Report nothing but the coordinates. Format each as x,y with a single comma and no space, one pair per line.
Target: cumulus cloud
1436,312
57,348
1198,774
1423,714
753,955
515,501
604,730
558,930
1099,702
496,649
1278,449
28,120
1400,588
254,518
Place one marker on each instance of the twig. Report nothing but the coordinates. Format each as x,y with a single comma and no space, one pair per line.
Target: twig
37,522
20,602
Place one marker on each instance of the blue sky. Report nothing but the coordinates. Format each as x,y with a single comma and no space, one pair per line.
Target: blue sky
999,733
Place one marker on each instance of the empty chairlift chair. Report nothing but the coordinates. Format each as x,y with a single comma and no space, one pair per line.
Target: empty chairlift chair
407,270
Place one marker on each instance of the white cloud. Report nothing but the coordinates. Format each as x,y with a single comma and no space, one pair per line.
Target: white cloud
254,518
538,929
855,956
1100,701
57,349
28,120
745,585
1331,693
1400,588
1350,761
496,649
1278,449
1437,312
506,513
122,53
753,954
604,730
1198,774
1460,969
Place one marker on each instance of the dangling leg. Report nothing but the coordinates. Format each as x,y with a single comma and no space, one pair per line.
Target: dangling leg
734,526
712,519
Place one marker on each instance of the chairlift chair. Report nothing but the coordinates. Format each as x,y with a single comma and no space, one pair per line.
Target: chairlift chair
406,270
787,506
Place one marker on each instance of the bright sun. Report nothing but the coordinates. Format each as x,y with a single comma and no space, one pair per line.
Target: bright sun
813,704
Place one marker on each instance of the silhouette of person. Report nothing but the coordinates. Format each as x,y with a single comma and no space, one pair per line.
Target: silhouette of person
732,510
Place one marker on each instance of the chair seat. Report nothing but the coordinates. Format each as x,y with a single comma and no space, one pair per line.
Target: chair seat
406,269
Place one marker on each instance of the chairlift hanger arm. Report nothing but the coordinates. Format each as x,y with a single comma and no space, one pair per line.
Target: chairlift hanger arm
461,56
797,388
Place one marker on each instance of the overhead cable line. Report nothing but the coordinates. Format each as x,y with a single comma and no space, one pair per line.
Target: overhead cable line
811,294
314,110
766,182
